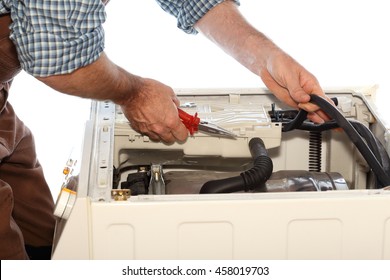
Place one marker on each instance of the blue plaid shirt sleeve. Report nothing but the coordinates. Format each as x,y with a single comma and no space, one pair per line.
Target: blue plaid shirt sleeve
188,12
58,36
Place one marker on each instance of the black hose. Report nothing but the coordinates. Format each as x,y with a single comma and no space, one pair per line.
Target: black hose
248,180
382,176
299,122
296,122
374,144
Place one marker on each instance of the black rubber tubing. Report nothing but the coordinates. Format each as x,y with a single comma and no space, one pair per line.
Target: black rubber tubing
356,139
247,180
373,143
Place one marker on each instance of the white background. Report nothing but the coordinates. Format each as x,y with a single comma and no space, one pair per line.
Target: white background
344,43
278,269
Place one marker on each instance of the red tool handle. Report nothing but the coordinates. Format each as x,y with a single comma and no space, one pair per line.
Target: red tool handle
191,122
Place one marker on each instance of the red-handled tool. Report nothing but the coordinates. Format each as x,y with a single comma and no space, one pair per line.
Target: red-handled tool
194,124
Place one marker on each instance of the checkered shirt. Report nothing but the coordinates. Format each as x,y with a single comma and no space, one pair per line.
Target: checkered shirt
59,36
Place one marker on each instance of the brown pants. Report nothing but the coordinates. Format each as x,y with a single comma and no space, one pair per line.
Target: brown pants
26,204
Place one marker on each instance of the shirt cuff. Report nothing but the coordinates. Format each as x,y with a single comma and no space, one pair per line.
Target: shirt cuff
46,54
189,12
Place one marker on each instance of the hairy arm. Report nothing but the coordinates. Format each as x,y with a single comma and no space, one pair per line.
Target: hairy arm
287,79
149,105
100,80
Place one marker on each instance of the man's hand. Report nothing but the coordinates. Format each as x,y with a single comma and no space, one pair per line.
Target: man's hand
291,83
152,110
150,106
288,80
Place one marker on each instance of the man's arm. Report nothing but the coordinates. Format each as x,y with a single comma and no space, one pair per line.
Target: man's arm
61,44
287,79
149,105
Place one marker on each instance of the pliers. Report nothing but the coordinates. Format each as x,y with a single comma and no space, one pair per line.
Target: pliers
194,124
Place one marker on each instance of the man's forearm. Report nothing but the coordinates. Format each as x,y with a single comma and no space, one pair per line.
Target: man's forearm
150,106
289,81
101,80
226,27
